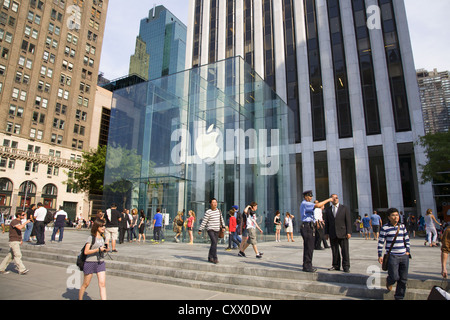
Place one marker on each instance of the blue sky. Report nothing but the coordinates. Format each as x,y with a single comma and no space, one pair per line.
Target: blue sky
428,21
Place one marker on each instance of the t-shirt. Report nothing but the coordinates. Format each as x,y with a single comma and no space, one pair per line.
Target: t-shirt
232,224
99,242
112,220
375,220
15,234
40,214
60,217
158,220
307,211
366,222
190,222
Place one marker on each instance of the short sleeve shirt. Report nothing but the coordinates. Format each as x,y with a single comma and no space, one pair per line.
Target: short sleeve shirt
15,234
307,211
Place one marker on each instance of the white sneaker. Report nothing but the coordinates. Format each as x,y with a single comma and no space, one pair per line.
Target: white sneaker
4,272
24,272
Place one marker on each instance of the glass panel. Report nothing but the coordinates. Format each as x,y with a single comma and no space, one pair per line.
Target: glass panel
215,131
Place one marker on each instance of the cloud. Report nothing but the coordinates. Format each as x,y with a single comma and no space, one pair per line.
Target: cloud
428,26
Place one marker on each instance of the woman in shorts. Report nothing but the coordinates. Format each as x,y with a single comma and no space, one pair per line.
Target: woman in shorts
95,262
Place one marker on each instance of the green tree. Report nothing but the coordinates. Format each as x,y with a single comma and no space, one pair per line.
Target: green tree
89,176
437,148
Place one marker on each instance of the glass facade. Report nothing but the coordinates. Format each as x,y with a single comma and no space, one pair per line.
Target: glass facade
217,131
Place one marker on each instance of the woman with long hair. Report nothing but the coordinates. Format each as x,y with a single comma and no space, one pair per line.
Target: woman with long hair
431,228
141,226
95,263
190,226
213,222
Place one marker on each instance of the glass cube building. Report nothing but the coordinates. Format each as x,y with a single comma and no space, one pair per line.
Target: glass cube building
216,131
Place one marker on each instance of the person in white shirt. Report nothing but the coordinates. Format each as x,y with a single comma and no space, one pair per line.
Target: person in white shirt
320,225
39,216
252,225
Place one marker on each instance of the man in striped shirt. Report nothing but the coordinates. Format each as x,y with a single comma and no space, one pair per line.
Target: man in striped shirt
398,264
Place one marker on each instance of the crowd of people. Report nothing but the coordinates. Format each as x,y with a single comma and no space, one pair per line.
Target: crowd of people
326,223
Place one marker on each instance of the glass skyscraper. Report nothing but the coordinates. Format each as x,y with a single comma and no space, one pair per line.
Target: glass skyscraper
217,131
164,36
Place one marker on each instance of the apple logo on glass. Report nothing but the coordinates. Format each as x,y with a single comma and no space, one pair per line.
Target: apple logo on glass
206,144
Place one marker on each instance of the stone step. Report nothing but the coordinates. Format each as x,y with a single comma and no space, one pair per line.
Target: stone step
264,283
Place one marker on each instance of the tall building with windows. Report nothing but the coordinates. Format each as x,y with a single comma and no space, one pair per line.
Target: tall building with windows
346,71
50,55
163,36
435,96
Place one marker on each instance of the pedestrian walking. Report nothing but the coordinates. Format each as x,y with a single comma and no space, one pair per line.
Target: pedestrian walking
307,229
366,226
252,225
430,228
15,241
95,263
395,236
213,223
375,223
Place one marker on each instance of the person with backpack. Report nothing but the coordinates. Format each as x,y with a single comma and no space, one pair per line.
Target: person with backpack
178,225
39,217
95,263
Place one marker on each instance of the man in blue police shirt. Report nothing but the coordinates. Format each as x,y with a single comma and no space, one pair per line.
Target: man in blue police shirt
307,228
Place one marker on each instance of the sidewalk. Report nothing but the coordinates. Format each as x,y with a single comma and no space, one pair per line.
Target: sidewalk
50,282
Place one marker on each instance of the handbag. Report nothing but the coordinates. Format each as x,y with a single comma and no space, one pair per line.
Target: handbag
439,294
386,256
222,228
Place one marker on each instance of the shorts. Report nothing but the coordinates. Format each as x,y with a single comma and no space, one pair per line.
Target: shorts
252,236
376,228
367,230
111,233
91,267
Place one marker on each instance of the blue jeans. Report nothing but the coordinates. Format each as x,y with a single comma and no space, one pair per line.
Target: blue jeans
26,235
61,233
398,267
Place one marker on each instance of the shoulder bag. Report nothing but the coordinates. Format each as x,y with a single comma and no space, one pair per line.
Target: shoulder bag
387,254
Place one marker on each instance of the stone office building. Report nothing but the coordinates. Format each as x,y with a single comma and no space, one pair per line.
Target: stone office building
346,71
50,56
279,96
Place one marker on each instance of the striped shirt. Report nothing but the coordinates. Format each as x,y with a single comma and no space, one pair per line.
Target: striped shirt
212,220
387,235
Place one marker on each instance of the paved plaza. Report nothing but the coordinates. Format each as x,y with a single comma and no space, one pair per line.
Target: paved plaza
48,282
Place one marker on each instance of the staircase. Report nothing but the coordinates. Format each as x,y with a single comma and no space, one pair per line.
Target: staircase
268,283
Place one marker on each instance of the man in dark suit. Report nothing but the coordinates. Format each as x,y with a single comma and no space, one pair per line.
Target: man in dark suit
338,228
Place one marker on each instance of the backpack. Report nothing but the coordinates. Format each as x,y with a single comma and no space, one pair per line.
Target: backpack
81,259
48,218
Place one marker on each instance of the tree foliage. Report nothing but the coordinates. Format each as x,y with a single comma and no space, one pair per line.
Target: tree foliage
437,148
89,176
